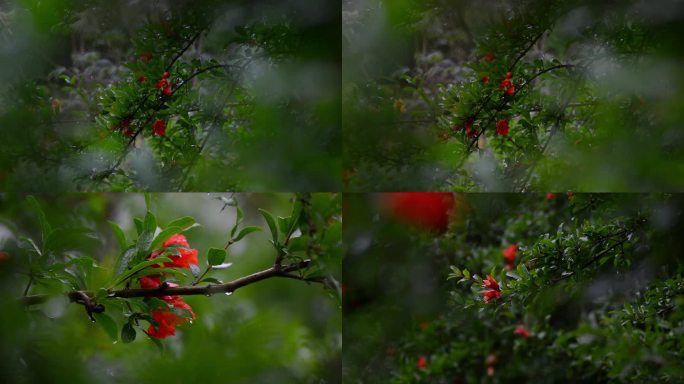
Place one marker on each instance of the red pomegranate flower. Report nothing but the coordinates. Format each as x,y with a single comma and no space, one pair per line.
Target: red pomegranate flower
502,128
142,79
493,291
490,294
490,283
485,79
187,255
168,321
150,281
550,196
489,57
509,253
422,362
520,330
159,129
507,84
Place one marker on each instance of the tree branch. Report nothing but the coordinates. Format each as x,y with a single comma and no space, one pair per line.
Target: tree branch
230,287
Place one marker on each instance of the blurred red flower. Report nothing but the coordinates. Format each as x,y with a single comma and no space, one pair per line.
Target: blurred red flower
550,196
507,84
427,210
510,252
502,128
489,56
491,294
159,128
520,330
490,283
422,362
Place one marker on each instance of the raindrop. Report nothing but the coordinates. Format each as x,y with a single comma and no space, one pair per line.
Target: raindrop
229,293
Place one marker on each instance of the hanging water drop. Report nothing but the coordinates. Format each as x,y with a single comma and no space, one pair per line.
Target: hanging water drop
229,293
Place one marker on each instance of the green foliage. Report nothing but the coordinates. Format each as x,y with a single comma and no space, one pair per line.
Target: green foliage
303,347
222,83
595,283
582,96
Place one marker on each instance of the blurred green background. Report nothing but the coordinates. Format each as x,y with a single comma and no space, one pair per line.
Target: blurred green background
277,330
271,126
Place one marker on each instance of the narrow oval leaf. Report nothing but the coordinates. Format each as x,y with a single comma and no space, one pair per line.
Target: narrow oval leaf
150,223
163,236
183,223
44,225
271,224
118,234
283,224
246,231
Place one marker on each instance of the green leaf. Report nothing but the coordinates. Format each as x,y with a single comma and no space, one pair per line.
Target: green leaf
154,271
283,224
216,256
271,224
183,223
150,224
456,271
522,270
128,333
246,231
107,324
466,273
138,225
125,259
142,245
163,236
294,217
513,275
44,225
139,267
119,234
238,219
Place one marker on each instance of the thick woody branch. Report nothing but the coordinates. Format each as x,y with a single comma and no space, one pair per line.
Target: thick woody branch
275,271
